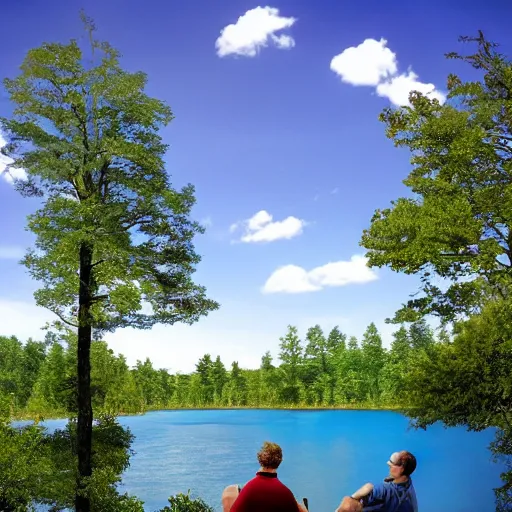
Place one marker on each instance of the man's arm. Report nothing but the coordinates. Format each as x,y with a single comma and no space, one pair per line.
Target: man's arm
301,507
349,504
229,496
364,491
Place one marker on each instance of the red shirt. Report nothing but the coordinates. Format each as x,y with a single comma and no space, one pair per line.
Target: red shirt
265,493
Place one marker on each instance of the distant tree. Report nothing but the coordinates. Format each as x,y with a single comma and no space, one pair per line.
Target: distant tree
237,392
291,357
11,356
219,376
270,380
336,346
204,370
396,367
373,359
350,383
34,353
421,335
113,238
336,340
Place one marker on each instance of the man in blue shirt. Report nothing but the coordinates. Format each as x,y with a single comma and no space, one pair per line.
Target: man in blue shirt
395,494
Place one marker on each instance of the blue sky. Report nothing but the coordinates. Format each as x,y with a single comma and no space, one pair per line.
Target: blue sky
276,111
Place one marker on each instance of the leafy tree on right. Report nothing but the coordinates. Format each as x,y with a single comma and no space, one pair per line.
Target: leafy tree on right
454,232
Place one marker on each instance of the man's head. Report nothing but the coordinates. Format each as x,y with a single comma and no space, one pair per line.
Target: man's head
401,464
270,455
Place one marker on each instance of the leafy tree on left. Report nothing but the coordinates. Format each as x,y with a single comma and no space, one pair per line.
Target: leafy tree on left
114,239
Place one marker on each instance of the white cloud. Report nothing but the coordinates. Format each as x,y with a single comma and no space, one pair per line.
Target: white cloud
372,63
253,31
11,252
335,190
262,228
398,88
284,42
366,64
13,173
295,279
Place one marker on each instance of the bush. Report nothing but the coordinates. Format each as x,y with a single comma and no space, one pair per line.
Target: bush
184,503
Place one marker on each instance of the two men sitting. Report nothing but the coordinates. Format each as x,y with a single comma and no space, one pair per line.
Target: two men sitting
266,493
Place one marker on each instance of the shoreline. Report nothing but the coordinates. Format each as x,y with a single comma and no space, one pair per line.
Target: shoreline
41,417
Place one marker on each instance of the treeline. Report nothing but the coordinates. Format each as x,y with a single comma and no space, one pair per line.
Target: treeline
38,378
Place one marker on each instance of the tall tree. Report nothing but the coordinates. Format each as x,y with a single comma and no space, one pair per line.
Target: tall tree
11,356
350,374
112,235
237,386
421,335
336,340
291,356
49,392
336,346
457,223
373,359
204,369
270,380
34,353
396,367
219,377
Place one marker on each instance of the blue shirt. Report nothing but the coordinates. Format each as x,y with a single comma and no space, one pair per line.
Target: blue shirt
391,497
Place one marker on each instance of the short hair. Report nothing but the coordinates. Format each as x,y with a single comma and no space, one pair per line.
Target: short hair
270,455
408,462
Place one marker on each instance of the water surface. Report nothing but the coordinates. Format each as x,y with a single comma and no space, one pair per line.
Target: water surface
327,454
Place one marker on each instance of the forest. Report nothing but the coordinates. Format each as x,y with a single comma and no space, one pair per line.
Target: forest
37,378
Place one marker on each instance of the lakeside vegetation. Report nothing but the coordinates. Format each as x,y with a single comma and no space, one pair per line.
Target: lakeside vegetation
38,379
112,236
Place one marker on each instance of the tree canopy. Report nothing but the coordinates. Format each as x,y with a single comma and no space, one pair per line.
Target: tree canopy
114,239
454,229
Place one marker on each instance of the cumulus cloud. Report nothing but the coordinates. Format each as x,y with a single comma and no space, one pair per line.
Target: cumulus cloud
254,30
261,227
373,64
398,88
366,64
12,174
295,279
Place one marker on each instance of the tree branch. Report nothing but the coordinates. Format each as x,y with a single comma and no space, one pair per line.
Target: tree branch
97,298
63,319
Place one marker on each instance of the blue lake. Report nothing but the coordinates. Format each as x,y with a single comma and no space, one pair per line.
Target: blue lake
326,454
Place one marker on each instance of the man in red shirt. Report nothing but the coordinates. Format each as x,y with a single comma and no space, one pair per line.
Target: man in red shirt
265,492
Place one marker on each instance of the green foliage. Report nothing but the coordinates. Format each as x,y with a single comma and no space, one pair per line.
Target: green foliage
114,239
40,468
468,382
87,136
24,468
454,231
184,503
456,225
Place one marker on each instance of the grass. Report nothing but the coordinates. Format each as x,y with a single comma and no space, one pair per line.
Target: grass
52,415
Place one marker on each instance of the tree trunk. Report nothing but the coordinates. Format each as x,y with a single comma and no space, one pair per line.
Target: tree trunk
84,424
